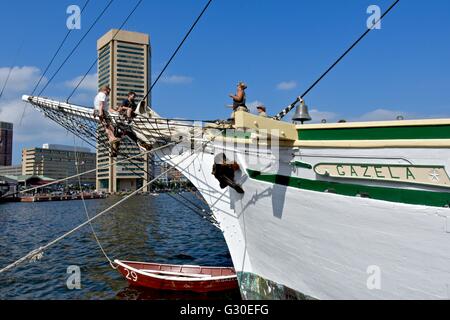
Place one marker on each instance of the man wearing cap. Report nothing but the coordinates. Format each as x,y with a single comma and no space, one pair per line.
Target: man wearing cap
261,111
239,99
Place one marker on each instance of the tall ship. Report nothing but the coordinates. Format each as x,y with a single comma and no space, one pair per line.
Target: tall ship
355,210
351,210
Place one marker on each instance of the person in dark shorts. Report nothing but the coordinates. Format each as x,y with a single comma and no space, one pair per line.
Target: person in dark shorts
239,99
128,106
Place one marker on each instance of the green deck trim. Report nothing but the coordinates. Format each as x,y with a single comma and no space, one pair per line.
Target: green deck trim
377,133
415,197
231,133
300,164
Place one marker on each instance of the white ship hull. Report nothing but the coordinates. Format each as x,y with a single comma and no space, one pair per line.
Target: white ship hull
338,211
288,242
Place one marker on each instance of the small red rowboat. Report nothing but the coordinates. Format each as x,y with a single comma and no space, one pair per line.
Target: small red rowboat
178,277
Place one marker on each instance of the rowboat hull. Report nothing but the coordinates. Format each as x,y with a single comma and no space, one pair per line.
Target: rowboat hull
178,278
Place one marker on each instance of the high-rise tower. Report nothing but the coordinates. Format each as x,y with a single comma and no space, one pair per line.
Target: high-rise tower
124,65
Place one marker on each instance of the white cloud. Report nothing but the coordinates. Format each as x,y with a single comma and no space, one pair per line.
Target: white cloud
287,85
177,79
34,129
318,115
90,83
385,114
22,80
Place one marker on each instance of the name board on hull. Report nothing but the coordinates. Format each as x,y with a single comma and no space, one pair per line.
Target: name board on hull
428,175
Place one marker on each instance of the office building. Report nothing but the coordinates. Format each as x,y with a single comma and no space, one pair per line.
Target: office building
124,65
6,143
58,162
11,170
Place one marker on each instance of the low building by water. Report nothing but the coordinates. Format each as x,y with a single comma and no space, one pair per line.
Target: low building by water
58,162
11,170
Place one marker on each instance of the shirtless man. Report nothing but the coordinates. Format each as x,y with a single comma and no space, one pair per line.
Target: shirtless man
239,99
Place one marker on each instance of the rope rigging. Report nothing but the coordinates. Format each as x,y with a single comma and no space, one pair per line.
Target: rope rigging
68,56
57,51
8,76
76,46
96,60
87,129
285,111
37,253
86,209
177,49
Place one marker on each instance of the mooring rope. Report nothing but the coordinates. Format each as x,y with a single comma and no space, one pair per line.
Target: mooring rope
86,209
36,254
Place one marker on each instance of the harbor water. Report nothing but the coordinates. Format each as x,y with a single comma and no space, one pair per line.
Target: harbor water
146,228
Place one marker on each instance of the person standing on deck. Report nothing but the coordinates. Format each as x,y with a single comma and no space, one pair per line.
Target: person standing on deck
239,99
261,111
102,110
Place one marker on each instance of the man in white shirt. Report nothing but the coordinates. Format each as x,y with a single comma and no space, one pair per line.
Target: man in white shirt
102,109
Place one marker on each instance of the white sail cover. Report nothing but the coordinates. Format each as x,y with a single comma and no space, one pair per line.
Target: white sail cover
148,126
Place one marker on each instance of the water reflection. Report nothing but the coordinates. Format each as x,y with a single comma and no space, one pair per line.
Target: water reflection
146,228
135,293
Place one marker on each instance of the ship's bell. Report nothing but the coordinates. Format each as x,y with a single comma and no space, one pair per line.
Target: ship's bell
301,113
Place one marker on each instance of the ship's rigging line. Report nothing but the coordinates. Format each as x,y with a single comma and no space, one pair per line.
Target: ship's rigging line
202,214
39,251
177,49
8,76
285,111
168,63
95,62
71,52
57,51
76,46
77,162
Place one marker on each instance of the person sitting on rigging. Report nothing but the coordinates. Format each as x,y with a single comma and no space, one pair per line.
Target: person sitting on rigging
129,106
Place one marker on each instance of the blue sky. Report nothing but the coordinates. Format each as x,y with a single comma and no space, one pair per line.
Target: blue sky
278,47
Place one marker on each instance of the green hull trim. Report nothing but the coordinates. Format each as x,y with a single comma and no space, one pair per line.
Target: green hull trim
377,133
300,164
406,196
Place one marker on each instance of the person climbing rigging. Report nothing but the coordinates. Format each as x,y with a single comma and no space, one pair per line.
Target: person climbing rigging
239,99
128,106
102,110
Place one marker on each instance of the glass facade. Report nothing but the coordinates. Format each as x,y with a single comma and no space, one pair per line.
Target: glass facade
123,64
6,143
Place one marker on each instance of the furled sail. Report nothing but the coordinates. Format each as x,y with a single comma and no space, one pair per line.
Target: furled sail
148,126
